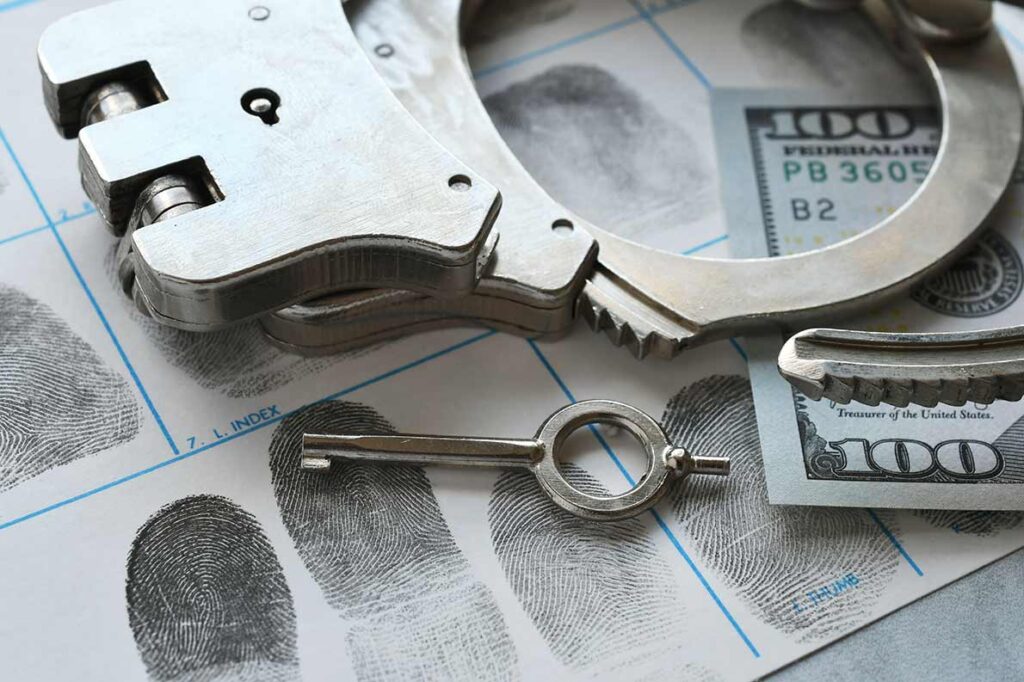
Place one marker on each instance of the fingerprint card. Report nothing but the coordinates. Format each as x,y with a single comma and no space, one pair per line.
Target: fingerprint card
153,515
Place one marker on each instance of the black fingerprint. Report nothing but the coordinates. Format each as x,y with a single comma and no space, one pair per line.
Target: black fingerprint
374,539
603,151
58,400
207,599
504,18
775,557
981,523
238,361
841,49
601,594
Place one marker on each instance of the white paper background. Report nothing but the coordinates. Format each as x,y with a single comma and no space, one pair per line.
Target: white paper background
65,534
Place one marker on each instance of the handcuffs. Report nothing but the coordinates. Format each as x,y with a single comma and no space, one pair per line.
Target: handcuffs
245,186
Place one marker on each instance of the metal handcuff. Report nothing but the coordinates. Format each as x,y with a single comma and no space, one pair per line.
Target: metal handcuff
651,301
242,186
627,292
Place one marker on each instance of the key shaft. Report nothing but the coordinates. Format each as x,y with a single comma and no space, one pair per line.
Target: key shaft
318,451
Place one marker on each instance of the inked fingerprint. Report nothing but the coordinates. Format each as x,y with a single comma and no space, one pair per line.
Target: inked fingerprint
375,541
207,599
595,145
839,49
59,401
600,594
981,523
238,361
810,572
498,19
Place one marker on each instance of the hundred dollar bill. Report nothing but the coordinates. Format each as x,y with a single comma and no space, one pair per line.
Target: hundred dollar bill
802,173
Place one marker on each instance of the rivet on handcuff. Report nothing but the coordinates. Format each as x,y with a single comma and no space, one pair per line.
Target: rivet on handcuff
314,200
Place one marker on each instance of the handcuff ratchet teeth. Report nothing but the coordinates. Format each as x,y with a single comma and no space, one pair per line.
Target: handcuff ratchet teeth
953,368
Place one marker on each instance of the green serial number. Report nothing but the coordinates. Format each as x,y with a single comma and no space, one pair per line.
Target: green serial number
853,171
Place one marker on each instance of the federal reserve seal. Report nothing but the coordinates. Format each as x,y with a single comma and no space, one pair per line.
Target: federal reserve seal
986,281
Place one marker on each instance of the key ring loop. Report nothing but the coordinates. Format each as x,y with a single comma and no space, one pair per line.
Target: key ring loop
647,491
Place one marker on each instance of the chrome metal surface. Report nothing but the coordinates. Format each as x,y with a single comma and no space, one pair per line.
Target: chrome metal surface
345,190
532,284
166,197
666,462
111,100
900,369
945,20
350,320
660,303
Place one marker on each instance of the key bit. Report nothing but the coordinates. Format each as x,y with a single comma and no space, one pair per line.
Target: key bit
901,369
667,462
308,180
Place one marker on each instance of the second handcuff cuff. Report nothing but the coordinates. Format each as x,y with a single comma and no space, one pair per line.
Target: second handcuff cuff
315,201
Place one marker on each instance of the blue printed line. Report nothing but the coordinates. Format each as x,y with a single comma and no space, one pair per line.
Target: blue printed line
657,517
26,233
192,453
647,16
13,4
705,245
739,349
43,228
88,292
572,399
551,370
582,38
656,7
896,543
611,453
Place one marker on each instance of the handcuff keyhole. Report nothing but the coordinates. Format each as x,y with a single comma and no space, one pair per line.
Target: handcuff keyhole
593,451
262,103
